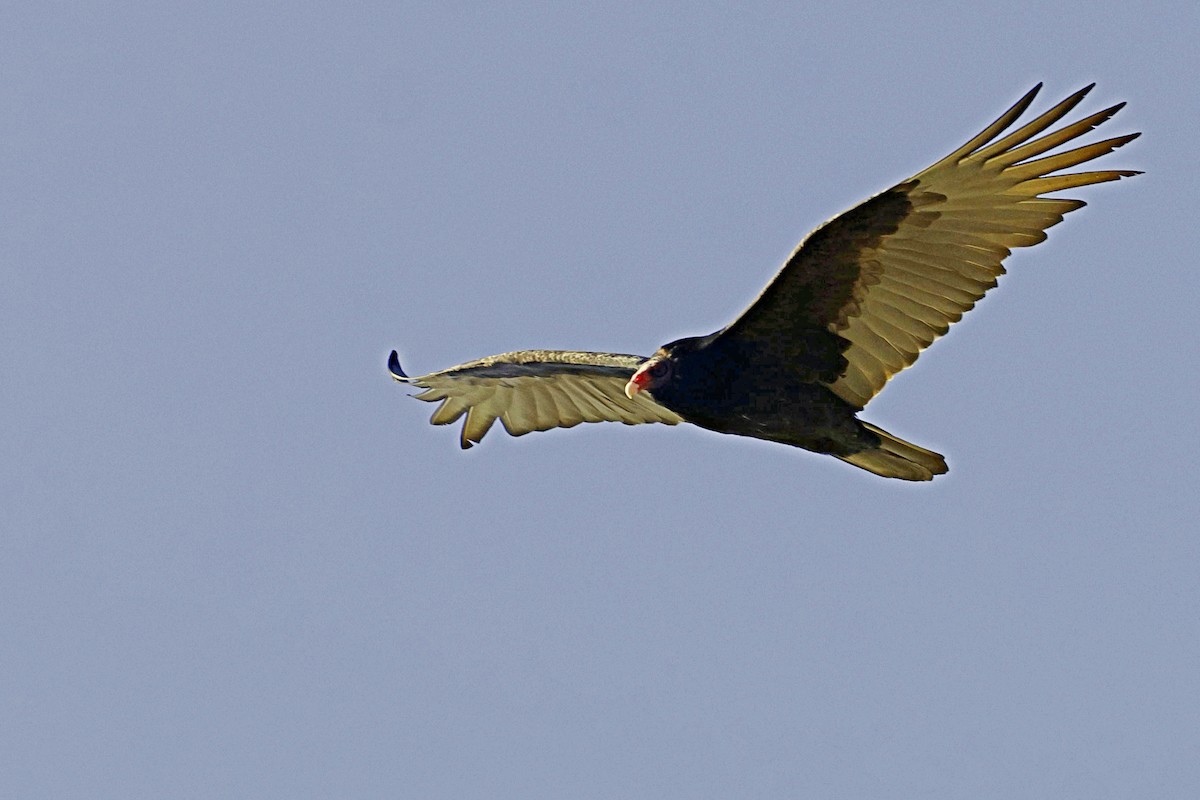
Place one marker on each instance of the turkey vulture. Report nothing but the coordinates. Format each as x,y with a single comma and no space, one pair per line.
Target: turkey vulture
855,303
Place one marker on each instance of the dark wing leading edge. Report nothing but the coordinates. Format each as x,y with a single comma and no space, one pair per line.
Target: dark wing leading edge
535,390
892,274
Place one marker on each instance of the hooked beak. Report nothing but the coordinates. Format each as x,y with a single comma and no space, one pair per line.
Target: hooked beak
637,383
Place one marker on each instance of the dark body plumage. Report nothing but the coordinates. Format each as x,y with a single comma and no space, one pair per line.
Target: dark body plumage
766,374
732,386
856,302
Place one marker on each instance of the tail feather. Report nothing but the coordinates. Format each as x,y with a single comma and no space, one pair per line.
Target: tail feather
896,458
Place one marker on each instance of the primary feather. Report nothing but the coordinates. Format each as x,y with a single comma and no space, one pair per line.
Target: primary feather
535,390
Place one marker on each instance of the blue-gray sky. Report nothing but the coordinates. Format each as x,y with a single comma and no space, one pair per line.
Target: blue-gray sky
237,561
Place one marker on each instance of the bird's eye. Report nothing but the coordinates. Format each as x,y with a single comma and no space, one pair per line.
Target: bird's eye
660,369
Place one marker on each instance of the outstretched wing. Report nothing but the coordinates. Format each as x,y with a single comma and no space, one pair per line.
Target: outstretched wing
535,390
892,274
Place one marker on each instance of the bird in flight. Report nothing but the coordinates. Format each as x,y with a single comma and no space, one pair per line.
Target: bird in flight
855,303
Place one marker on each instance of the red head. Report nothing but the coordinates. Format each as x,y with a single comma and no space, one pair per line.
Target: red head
652,373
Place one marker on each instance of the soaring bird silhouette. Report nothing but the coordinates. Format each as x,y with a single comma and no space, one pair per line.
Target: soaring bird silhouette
855,303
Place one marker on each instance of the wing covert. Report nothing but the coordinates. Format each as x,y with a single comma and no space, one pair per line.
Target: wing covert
535,390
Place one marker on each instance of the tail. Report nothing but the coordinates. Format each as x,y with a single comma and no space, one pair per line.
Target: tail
896,458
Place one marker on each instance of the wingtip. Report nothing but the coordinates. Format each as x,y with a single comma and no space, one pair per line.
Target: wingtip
394,367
